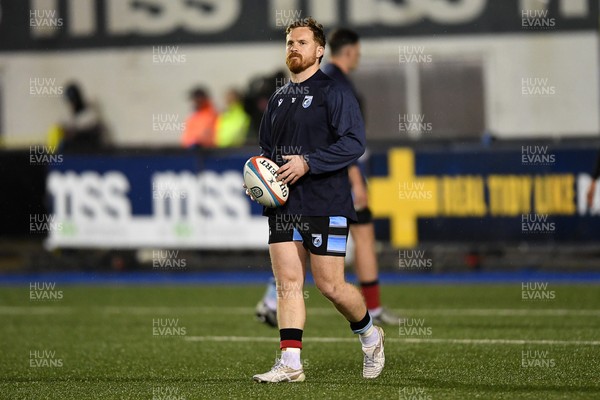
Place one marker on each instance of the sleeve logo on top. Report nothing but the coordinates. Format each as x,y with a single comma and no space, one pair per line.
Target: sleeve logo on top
279,102
307,101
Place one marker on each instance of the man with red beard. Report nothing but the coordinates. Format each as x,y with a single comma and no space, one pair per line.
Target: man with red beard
313,128
344,47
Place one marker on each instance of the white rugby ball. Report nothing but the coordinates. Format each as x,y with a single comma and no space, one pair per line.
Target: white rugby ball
261,181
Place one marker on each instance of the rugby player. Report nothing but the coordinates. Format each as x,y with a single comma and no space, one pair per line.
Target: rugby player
344,46
314,129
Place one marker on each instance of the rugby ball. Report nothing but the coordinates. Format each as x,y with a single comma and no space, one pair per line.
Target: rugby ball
261,180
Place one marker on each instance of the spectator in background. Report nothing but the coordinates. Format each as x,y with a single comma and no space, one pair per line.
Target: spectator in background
200,126
233,123
83,131
592,189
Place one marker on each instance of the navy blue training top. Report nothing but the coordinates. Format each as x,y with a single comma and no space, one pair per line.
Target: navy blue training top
321,120
335,73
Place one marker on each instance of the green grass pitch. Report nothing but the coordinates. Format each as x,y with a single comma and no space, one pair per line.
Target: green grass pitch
458,342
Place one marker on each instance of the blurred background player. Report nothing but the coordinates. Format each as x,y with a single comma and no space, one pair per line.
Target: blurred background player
233,123
345,56
200,126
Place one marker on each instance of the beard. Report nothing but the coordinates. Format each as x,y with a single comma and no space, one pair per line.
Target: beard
296,63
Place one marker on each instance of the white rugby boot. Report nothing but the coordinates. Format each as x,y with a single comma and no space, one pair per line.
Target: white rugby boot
374,358
281,373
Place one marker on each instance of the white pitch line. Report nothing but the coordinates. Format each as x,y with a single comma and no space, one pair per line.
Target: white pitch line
331,311
34,310
508,312
396,340
56,308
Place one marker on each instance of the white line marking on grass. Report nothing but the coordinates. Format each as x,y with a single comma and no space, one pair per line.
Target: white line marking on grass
506,312
480,312
34,310
322,311
396,340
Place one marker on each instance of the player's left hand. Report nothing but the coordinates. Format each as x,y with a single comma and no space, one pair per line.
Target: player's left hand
295,168
248,192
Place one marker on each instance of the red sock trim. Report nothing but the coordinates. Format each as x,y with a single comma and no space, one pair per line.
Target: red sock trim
284,344
371,294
